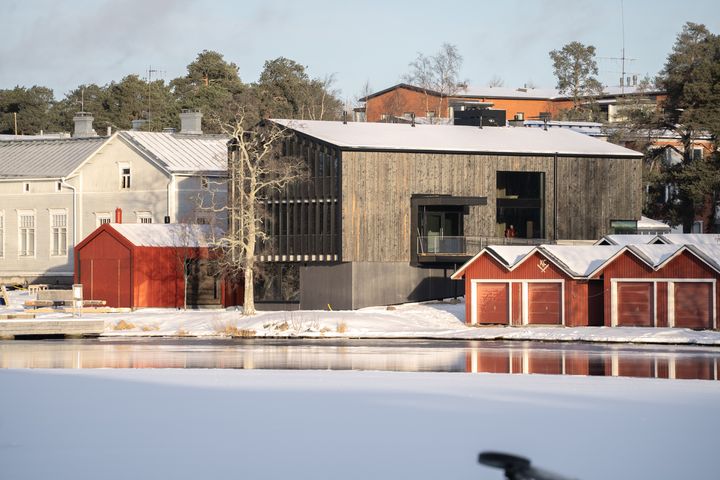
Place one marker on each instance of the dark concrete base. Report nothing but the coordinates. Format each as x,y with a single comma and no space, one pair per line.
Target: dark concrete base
362,284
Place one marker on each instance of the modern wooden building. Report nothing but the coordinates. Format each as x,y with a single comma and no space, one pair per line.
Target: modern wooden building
393,209
148,265
632,285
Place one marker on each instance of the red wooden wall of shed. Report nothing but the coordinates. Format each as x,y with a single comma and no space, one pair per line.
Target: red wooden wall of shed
627,265
102,266
487,267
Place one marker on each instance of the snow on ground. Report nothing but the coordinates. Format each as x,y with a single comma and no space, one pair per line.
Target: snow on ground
190,424
437,320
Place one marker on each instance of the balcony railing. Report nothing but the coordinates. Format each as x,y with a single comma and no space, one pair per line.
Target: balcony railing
435,245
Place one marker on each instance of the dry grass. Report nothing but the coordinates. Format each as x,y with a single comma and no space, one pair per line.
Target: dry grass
150,328
283,326
123,325
182,333
341,327
233,331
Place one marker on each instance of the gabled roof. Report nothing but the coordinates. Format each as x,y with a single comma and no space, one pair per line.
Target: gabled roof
581,260
692,238
629,239
180,153
45,158
168,234
455,138
585,261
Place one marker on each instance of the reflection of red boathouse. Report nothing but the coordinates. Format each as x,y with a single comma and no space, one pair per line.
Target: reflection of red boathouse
632,285
578,362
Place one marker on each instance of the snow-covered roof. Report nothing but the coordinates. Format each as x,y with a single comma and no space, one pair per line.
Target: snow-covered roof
45,158
646,223
510,255
582,260
656,255
168,234
455,138
692,238
508,92
181,153
627,239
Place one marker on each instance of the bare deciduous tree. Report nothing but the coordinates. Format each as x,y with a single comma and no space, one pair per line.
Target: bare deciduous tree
496,81
257,166
437,74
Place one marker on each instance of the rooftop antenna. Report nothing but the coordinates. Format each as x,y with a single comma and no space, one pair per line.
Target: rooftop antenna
151,71
82,99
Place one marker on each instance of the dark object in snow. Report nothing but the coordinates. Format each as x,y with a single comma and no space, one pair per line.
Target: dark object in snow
516,468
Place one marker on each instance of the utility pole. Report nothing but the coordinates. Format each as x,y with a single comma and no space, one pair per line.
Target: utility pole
15,122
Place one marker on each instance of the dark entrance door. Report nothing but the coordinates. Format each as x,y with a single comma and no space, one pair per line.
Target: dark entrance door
441,229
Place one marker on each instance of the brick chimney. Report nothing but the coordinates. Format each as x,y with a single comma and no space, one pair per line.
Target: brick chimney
191,122
83,125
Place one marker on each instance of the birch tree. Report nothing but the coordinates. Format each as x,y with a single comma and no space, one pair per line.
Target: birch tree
439,73
257,167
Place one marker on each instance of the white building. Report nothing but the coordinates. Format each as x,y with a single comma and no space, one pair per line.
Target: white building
55,192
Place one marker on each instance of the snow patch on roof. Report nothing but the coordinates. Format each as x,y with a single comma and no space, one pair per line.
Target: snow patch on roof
656,254
511,254
618,239
455,138
582,260
692,238
168,235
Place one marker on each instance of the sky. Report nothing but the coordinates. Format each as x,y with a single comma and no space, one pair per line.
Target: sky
62,45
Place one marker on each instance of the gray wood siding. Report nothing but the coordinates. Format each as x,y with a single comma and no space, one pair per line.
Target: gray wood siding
377,186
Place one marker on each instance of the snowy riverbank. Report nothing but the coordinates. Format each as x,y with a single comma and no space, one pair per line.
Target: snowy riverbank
436,320
189,424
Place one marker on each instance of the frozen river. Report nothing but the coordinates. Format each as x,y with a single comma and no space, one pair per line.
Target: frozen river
674,362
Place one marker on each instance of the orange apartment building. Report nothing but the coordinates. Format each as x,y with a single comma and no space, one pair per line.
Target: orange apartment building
402,100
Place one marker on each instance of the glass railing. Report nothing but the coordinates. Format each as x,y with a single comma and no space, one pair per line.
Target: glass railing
467,246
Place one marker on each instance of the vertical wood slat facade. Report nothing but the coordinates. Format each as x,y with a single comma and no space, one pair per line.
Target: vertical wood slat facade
377,187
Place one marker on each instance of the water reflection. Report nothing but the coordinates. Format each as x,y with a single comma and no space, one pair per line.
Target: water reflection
396,355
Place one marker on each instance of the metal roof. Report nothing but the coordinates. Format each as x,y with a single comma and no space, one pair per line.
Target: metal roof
182,153
45,158
454,138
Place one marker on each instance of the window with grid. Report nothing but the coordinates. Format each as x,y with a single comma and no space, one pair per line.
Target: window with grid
58,229
26,227
125,176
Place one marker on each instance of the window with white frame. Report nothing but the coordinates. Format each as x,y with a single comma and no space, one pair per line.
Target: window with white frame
124,175
26,187
26,233
144,217
101,218
2,234
58,232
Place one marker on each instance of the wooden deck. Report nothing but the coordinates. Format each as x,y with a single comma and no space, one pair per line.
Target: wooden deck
74,327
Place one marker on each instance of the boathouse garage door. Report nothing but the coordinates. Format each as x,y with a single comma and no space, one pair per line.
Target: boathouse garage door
491,303
635,304
693,304
544,303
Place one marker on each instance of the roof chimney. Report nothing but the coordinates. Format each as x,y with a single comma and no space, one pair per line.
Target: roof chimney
83,125
191,122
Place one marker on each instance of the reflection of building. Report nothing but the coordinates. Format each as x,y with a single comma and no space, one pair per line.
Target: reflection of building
616,363
54,192
612,285
393,207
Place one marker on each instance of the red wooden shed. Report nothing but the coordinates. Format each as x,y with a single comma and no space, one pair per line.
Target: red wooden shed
663,286
616,285
142,265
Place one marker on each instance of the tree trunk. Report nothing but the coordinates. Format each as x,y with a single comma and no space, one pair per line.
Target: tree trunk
249,299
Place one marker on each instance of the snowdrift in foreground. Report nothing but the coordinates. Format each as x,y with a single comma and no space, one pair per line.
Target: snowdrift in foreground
193,424
437,320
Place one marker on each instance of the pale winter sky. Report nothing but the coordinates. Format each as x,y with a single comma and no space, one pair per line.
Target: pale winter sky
64,44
